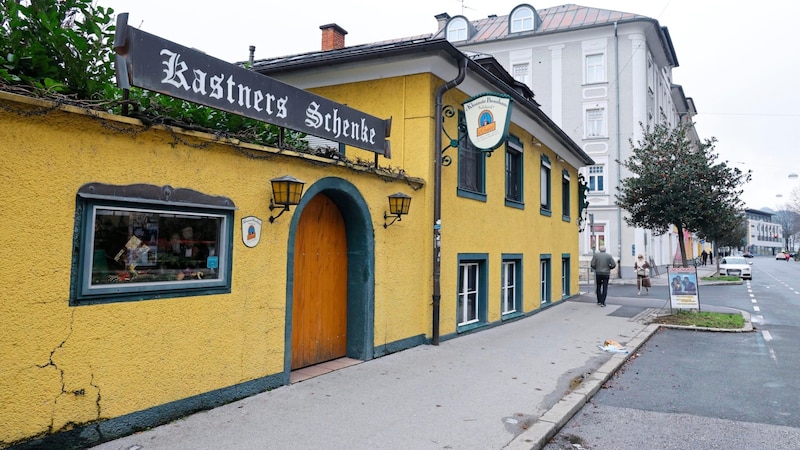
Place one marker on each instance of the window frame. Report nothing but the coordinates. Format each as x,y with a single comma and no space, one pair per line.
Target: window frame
597,238
457,29
94,197
545,187
511,307
522,19
595,122
566,198
465,154
594,71
565,275
514,172
545,279
593,178
526,79
480,262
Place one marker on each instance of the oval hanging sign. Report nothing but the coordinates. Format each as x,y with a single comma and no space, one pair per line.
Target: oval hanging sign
487,117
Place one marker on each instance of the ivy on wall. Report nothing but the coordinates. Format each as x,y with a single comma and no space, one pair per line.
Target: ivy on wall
73,64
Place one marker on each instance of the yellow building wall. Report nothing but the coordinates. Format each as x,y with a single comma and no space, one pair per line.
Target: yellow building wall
408,101
491,227
63,366
470,226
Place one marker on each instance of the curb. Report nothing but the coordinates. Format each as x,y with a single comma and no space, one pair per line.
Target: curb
547,426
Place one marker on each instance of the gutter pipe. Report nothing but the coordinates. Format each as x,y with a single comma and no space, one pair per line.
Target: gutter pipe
619,149
437,194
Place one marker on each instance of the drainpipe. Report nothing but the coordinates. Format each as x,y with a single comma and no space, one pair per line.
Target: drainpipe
437,195
619,149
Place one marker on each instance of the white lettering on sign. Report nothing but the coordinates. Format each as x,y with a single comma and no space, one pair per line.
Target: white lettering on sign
219,87
338,127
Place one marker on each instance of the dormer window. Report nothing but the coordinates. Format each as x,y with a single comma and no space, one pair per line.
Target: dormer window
457,29
523,18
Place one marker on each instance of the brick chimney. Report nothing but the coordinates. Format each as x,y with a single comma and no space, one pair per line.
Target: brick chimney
332,37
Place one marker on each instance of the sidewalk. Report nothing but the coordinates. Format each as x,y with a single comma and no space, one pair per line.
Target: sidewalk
512,386
661,278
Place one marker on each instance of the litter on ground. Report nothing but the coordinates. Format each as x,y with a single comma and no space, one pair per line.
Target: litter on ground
613,347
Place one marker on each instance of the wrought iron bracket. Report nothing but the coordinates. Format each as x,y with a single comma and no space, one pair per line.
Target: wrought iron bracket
449,111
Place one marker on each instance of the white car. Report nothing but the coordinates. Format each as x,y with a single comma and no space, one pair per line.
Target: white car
736,266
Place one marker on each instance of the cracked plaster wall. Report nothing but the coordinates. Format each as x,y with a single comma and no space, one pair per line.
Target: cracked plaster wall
64,366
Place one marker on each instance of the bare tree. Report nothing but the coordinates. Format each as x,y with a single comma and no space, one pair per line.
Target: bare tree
790,224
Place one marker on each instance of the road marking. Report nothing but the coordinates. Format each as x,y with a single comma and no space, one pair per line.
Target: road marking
773,356
756,309
752,300
767,336
758,318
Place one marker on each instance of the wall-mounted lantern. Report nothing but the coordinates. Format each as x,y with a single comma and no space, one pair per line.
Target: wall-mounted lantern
398,206
286,192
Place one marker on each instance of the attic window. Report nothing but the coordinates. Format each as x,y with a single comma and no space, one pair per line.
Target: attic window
457,29
522,19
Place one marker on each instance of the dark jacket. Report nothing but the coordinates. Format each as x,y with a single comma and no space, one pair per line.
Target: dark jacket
602,263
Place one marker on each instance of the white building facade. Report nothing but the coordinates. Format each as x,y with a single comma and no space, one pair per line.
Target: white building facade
599,75
764,235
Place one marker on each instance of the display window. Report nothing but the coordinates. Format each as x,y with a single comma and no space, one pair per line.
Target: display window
129,250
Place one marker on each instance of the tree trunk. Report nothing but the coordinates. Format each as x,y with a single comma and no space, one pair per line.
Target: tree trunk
716,258
682,245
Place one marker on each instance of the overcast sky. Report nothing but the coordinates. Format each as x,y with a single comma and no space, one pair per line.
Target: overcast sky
738,61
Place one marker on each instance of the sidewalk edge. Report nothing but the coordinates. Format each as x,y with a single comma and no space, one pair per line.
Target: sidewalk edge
547,426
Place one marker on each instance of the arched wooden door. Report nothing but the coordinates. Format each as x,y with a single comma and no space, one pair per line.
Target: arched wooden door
319,297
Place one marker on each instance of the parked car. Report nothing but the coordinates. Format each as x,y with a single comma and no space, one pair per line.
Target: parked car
783,256
736,266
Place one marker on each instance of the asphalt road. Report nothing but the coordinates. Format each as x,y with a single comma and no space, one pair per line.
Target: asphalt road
702,390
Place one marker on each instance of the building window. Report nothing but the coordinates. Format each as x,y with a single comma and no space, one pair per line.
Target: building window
597,237
595,68
565,197
596,179
514,171
595,122
522,20
471,309
133,248
471,167
522,73
511,285
565,273
544,188
457,30
544,281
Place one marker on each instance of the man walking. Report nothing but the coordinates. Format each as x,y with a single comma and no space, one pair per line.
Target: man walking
602,263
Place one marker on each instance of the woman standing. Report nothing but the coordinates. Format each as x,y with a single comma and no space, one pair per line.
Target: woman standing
642,269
